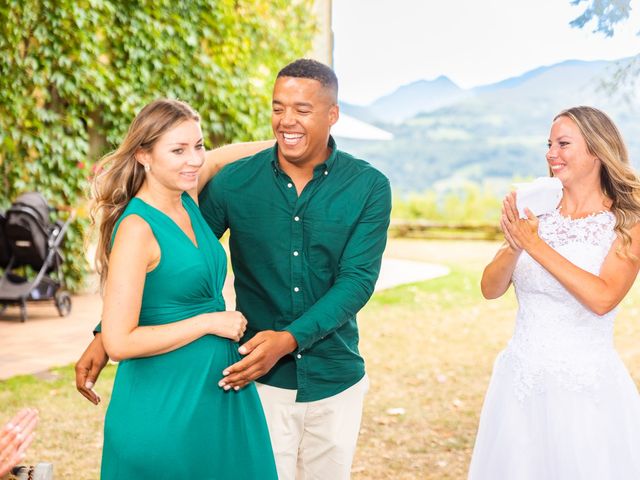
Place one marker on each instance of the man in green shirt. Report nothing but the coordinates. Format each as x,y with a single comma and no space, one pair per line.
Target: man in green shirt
308,226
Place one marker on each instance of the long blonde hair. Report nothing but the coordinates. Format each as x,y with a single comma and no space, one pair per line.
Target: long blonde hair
618,180
119,175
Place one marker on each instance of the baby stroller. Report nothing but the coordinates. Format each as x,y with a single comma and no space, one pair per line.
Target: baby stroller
29,239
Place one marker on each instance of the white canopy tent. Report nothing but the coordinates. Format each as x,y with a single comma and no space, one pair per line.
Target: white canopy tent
350,127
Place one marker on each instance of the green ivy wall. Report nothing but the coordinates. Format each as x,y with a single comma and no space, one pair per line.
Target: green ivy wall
74,73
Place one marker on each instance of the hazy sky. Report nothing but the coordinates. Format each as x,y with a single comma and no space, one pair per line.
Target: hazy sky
382,44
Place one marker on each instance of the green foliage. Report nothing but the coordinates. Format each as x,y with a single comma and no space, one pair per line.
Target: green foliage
74,73
470,203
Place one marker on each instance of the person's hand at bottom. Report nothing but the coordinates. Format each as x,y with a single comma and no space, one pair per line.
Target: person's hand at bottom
15,437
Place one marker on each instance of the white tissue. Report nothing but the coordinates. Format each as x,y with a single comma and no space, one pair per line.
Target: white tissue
540,196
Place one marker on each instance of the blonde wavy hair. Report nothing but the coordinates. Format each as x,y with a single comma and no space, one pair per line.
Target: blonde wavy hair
119,175
618,180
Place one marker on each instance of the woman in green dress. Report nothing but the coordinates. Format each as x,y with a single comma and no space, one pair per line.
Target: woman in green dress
164,317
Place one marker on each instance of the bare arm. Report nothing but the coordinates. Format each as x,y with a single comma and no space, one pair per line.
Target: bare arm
217,158
496,277
129,261
599,293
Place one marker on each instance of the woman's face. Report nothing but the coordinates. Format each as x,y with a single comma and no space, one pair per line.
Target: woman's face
177,156
568,156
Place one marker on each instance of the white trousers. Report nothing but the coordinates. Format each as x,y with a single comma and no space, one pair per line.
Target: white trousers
313,440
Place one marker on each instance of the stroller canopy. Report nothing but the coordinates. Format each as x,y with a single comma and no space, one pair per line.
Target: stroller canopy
28,229
37,204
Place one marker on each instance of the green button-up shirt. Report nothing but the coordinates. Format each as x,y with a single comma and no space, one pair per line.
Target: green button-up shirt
305,264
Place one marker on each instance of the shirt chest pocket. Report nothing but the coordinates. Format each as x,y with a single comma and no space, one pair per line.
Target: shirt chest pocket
326,242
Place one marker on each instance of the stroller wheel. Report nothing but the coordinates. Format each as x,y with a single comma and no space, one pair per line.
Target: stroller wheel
63,303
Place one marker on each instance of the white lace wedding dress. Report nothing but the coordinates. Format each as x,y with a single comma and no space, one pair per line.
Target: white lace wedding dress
561,404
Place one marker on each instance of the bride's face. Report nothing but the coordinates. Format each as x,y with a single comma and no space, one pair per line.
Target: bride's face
568,156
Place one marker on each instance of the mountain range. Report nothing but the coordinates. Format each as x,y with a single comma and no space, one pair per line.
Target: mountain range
445,135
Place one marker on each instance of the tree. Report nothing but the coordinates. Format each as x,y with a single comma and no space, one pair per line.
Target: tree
608,14
73,73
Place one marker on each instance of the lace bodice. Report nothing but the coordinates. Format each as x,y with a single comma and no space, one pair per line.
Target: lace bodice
556,338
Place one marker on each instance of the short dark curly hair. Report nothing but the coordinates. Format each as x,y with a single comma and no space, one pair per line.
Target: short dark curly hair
314,70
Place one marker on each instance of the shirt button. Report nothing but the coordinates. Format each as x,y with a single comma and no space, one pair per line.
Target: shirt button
295,254
289,185
296,289
299,356
326,172
297,219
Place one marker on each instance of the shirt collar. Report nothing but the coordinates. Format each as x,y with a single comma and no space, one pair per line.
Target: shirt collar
324,166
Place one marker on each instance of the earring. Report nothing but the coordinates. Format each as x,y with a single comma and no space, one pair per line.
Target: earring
147,167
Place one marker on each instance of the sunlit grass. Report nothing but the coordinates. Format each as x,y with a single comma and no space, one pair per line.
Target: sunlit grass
70,429
429,348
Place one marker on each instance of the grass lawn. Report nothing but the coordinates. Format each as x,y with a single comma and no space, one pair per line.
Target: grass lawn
429,348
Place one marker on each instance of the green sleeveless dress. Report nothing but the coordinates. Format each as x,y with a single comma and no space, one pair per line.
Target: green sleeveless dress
167,418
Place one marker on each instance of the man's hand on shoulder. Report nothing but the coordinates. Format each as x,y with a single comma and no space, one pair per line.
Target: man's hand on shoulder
262,352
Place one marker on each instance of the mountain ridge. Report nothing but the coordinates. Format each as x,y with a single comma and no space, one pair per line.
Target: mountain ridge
423,95
495,133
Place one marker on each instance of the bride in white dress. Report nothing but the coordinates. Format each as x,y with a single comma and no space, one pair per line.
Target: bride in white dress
561,404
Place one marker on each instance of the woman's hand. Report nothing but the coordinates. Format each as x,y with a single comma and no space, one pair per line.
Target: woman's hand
521,234
231,325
